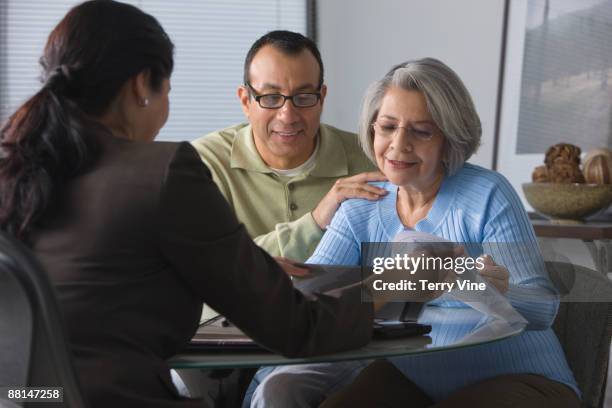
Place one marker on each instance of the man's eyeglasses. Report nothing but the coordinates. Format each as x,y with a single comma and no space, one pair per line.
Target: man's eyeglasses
276,100
389,129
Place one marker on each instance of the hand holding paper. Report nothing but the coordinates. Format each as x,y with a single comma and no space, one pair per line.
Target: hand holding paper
495,274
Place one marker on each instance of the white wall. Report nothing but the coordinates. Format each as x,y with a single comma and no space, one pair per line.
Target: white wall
361,39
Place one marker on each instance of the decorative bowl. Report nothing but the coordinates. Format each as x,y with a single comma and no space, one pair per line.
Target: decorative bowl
568,203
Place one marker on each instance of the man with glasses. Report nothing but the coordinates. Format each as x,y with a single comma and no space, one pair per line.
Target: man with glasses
284,172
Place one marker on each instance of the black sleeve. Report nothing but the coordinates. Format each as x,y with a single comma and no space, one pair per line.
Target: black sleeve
207,246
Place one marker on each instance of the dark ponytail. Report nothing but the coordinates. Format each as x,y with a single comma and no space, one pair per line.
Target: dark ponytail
89,56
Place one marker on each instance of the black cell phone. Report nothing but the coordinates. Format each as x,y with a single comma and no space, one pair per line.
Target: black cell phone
395,331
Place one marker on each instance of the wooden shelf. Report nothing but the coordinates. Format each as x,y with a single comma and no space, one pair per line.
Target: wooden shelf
593,229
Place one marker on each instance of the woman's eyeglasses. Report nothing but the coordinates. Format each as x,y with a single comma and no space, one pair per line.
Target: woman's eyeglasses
389,129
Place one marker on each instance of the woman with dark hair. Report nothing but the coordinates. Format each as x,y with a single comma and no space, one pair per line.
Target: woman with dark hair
134,234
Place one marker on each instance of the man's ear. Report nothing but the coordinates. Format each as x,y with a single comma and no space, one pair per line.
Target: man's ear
245,99
323,93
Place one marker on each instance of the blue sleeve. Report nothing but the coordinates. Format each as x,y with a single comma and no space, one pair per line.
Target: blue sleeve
509,238
339,246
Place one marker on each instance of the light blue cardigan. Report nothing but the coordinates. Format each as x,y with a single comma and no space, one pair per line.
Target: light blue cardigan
473,206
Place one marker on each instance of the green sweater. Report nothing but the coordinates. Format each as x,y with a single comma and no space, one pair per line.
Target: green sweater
277,210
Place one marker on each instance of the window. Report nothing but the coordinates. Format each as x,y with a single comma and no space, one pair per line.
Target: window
211,37
557,83
566,91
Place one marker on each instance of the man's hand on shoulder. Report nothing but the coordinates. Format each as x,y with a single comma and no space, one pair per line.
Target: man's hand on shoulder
350,187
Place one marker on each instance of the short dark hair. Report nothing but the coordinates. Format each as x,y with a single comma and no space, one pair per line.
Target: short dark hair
289,43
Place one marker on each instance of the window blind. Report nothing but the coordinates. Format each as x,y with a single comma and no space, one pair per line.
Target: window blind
566,87
211,39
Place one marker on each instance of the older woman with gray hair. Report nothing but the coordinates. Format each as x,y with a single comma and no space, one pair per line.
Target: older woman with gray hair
419,125
448,103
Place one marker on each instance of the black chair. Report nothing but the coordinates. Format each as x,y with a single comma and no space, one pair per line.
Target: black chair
33,347
584,326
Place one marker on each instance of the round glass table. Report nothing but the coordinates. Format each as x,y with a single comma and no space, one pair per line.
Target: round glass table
452,328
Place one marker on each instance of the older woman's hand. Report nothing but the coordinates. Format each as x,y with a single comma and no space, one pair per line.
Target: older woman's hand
495,274
350,187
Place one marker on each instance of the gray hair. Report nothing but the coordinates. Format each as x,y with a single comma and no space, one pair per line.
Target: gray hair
448,102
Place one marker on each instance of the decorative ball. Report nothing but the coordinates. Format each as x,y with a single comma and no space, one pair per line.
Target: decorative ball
562,153
598,167
540,175
563,164
597,152
565,173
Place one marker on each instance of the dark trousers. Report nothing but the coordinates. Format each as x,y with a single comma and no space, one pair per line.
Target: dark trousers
382,385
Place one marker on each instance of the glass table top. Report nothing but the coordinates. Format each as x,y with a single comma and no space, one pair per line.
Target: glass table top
452,328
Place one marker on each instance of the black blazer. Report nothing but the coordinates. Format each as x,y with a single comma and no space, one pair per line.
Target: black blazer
137,243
